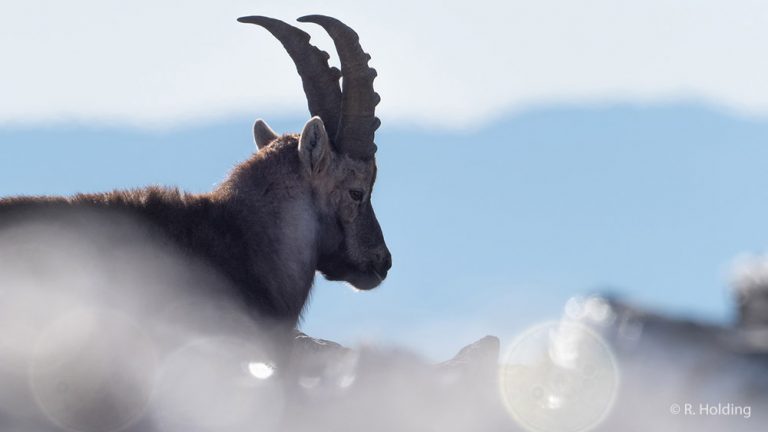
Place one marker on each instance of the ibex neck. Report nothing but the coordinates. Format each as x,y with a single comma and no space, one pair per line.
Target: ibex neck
295,251
275,211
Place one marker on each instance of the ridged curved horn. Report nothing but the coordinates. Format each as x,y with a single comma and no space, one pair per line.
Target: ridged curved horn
358,105
320,82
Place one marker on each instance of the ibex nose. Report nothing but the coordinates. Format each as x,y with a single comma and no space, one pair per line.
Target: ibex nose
383,262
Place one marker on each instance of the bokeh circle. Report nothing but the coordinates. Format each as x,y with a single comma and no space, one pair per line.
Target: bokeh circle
559,377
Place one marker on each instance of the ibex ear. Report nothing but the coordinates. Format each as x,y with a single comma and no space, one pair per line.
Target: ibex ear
263,134
314,146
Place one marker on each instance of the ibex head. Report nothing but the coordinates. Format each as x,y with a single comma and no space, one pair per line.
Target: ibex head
336,150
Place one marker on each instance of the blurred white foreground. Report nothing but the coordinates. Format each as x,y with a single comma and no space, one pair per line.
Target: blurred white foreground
103,329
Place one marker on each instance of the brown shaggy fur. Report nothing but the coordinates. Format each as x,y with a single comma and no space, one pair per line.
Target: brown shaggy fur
229,228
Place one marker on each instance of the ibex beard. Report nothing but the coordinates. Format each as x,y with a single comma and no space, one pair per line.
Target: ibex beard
301,204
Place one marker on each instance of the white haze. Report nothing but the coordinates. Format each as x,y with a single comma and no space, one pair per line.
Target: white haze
441,63
749,273
104,329
667,366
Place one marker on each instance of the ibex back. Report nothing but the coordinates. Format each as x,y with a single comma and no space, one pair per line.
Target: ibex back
301,204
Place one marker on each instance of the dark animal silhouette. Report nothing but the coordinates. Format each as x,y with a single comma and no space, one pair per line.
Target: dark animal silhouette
301,204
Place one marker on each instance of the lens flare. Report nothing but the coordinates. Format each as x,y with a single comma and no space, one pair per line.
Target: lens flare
559,377
205,386
261,370
93,371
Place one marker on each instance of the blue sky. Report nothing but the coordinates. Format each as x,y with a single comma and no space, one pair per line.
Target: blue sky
491,229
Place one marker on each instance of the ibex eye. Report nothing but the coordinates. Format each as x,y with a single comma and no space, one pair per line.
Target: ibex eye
356,195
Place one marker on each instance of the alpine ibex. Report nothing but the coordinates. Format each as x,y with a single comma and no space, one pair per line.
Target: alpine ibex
301,204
